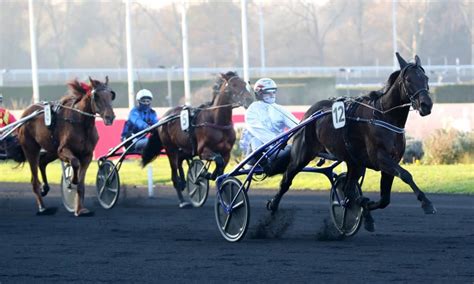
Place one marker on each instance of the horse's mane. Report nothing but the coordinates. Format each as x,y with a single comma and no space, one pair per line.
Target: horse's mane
229,75
373,95
217,86
76,91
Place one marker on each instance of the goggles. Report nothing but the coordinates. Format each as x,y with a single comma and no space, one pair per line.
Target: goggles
145,101
269,91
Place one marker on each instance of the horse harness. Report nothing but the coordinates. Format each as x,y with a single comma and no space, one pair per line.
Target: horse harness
193,115
56,106
351,106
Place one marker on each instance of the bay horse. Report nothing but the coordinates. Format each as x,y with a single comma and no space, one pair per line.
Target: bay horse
71,137
363,144
212,138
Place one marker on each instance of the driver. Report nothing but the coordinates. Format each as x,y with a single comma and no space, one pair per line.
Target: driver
265,119
5,116
140,117
10,145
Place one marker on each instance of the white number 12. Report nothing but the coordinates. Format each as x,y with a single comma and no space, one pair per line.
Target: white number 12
338,115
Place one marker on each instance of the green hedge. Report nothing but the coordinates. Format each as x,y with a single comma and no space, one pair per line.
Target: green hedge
462,93
292,91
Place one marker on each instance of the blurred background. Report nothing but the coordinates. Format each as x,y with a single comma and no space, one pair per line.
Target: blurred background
315,49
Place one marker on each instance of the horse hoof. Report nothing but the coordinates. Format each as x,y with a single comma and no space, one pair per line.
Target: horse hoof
369,224
47,211
44,190
362,201
428,208
271,206
185,205
84,213
72,186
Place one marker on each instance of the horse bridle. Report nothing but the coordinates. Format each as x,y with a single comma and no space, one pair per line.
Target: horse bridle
405,89
93,105
227,83
100,89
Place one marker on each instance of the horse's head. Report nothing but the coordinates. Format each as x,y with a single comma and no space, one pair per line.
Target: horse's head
102,97
414,85
237,88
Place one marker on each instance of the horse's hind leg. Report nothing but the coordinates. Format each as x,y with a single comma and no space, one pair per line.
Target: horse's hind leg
44,159
32,155
392,168
178,182
32,158
300,157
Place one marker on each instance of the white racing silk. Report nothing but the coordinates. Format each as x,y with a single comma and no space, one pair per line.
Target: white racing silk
263,122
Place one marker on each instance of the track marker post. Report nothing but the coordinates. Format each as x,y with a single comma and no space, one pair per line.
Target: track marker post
150,182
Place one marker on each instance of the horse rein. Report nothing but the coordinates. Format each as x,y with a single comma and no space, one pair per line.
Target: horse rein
403,86
378,110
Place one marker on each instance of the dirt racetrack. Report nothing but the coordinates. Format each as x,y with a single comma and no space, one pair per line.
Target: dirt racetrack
151,240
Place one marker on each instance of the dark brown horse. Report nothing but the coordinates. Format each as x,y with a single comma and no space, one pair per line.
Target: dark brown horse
71,137
364,144
213,137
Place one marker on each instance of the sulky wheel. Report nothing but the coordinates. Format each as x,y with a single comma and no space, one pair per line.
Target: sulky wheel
107,184
232,210
346,214
197,184
68,195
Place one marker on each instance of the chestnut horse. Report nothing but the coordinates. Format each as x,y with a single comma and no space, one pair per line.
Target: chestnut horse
214,134
71,137
363,142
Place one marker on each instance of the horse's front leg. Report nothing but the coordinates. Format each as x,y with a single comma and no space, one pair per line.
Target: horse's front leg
392,168
220,161
386,182
80,210
354,173
66,155
300,157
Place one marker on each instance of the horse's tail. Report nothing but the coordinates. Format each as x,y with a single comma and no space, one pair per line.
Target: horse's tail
152,148
15,152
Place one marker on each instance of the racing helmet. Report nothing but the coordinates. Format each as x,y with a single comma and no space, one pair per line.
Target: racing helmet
264,85
144,93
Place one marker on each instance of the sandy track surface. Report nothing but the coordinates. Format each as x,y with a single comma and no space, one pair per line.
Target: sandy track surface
151,240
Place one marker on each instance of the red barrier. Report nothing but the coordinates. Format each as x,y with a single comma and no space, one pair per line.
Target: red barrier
109,136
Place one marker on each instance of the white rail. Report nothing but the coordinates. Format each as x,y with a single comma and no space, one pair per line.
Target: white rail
343,74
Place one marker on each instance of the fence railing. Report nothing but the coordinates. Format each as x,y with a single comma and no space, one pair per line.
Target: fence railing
345,75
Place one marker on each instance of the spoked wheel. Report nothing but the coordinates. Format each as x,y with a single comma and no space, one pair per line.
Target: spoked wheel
197,184
232,210
68,195
346,214
107,184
